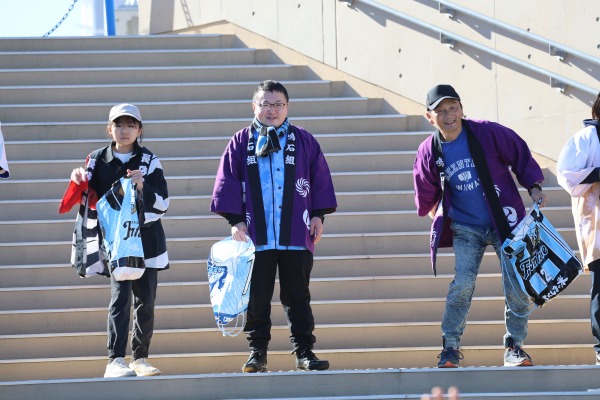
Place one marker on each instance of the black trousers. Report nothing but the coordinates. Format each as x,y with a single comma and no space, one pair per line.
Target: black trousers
119,309
594,268
295,267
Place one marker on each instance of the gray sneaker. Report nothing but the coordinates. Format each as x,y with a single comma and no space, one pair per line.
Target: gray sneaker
117,368
516,357
597,358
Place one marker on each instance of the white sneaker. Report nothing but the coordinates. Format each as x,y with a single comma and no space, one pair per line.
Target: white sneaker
142,367
118,369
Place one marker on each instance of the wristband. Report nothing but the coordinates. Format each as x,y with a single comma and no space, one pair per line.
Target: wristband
534,186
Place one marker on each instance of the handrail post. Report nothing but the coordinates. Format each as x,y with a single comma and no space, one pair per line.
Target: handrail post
109,6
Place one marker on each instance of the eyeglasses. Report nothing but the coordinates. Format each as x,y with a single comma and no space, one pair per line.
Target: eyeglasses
268,106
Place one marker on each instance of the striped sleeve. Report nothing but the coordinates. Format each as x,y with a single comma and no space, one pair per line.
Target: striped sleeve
155,193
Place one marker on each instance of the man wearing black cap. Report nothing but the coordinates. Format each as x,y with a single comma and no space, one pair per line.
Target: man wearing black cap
462,179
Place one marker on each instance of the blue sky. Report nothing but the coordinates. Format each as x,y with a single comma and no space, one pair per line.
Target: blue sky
33,18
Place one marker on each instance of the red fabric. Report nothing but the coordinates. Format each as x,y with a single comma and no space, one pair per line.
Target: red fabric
72,196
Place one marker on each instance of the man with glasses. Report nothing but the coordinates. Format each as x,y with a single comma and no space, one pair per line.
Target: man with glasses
462,179
273,185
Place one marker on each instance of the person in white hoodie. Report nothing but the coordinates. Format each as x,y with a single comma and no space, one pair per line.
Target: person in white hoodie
4,172
578,171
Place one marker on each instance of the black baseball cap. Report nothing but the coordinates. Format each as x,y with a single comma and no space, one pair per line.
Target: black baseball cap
438,93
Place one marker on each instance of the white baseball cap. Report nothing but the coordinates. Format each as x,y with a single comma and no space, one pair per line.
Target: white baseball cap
124,109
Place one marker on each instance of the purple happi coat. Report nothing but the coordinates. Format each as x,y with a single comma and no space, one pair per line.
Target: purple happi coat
503,150
307,186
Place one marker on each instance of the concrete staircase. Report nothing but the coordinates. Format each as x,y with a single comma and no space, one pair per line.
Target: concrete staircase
376,303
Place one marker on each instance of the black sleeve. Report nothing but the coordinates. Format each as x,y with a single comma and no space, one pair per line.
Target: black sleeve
593,177
233,219
320,214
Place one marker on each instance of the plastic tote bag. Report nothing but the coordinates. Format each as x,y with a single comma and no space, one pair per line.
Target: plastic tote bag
543,263
121,236
230,266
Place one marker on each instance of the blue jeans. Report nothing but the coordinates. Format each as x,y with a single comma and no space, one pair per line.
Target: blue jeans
469,246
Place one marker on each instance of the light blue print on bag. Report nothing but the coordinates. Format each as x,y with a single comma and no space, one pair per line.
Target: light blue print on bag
216,274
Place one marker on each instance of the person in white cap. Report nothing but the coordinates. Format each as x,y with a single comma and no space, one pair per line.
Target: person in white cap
463,179
125,157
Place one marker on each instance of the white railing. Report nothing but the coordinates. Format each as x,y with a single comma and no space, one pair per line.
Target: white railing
554,49
450,39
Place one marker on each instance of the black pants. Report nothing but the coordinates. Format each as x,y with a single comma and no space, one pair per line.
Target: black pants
119,309
594,268
295,267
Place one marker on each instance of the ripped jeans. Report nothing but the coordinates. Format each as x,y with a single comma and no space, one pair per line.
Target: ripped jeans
469,246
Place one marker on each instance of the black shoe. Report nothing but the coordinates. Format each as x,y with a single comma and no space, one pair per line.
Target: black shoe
597,358
307,361
257,362
449,358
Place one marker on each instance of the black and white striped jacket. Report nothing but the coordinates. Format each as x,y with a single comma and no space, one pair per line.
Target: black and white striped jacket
103,169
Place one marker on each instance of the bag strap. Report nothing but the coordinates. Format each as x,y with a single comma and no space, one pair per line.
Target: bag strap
439,162
487,184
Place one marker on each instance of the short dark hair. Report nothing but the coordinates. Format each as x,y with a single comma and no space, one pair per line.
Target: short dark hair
596,108
123,119
271,86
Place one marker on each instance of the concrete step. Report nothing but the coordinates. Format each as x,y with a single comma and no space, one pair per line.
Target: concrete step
330,337
391,200
55,252
193,292
173,103
212,224
48,44
37,189
21,275
16,210
204,165
559,382
133,57
365,311
340,359
82,130
146,74
145,92
209,146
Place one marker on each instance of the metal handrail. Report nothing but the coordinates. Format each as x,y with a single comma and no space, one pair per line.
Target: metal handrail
556,49
556,81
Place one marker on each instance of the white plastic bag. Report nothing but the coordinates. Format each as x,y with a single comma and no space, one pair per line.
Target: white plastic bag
121,235
230,266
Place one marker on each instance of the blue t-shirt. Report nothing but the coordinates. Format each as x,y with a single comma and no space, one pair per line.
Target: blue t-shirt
468,200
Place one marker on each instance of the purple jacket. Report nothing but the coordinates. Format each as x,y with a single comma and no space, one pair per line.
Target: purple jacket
504,151
307,186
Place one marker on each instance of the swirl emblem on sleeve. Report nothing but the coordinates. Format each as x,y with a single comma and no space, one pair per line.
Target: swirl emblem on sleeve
302,187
